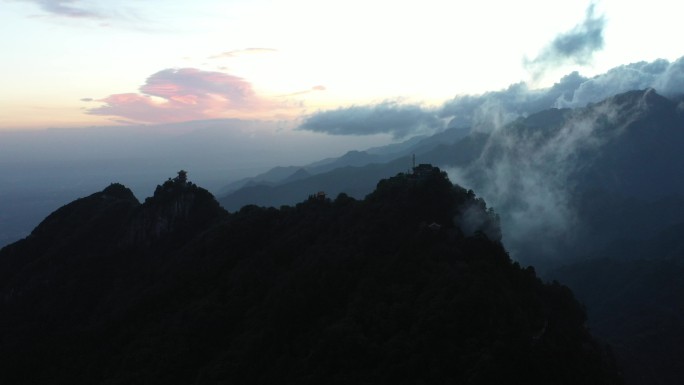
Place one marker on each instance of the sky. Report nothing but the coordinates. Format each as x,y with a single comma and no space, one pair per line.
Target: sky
81,63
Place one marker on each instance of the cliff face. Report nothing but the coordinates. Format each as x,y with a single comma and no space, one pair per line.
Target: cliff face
91,234
390,289
177,206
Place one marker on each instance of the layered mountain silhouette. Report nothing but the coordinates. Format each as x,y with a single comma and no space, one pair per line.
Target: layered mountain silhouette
592,162
597,189
349,175
176,289
408,285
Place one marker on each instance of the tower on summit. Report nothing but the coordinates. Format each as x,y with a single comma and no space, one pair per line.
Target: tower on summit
182,176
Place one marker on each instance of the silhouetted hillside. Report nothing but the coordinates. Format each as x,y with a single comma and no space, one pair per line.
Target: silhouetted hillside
636,306
409,285
572,185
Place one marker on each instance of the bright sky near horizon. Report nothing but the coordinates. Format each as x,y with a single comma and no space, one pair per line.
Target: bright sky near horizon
71,63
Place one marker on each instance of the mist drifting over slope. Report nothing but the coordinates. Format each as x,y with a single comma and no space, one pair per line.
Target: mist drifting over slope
531,175
526,173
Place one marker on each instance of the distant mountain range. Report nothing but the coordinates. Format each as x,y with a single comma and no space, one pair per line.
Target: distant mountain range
354,173
577,165
285,174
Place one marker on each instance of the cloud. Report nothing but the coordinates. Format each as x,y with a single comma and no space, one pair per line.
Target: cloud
102,14
66,8
86,99
393,118
310,90
665,77
576,46
527,175
491,110
185,94
174,95
239,52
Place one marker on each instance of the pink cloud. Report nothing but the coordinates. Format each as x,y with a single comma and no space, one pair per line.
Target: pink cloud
174,95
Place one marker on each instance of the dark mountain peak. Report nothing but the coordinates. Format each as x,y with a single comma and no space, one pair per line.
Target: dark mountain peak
355,157
427,196
114,215
173,187
552,117
90,214
423,179
178,206
177,188
297,175
119,191
353,153
640,101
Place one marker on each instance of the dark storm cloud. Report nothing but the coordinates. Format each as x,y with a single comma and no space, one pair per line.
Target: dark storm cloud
400,120
576,46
